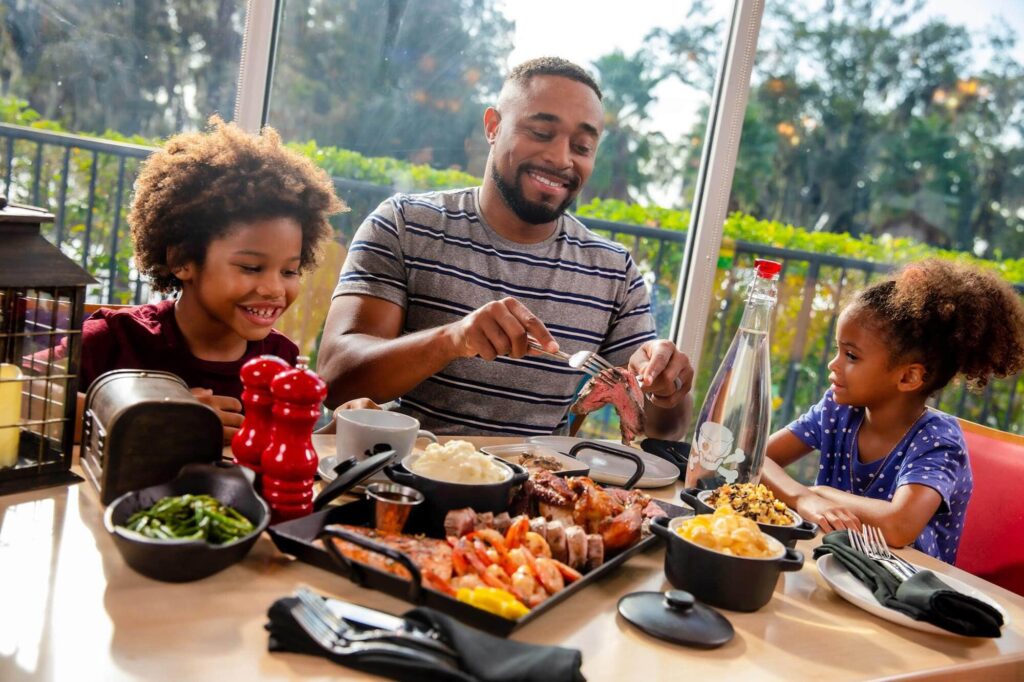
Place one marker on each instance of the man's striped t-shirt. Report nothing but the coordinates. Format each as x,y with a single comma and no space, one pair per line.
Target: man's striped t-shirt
435,256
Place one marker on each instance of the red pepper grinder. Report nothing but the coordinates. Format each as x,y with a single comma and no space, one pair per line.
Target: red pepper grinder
289,462
253,437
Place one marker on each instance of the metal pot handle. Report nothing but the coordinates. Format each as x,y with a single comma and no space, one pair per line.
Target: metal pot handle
399,474
689,496
601,447
792,560
659,527
357,572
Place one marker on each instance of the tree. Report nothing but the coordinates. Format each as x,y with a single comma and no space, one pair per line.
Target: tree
403,79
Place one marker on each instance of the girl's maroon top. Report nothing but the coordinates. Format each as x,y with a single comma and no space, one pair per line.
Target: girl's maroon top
148,337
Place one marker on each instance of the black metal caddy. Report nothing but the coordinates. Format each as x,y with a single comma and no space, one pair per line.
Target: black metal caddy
305,538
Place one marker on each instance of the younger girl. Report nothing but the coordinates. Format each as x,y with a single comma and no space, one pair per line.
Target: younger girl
887,460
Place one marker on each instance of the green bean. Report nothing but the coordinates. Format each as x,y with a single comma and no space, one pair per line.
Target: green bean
190,517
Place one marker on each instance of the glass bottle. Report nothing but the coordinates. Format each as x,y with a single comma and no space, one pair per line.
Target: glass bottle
734,422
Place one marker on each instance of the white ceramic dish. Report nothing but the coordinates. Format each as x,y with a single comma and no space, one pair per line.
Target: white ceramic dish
514,452
854,591
613,470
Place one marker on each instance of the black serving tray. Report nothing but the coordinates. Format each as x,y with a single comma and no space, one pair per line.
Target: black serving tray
298,538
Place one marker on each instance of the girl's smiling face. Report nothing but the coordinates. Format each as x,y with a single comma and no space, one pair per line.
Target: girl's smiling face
249,277
862,373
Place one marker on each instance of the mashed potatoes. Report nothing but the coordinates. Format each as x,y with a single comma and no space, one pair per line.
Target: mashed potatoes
458,462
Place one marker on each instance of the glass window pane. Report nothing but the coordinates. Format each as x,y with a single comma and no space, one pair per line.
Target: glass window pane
875,133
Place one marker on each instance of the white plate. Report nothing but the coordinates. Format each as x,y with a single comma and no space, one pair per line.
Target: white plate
857,593
611,469
513,453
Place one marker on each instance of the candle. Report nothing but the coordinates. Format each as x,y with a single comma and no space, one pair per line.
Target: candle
10,413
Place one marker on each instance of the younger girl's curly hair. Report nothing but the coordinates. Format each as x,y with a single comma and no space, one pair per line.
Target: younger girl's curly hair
951,317
190,192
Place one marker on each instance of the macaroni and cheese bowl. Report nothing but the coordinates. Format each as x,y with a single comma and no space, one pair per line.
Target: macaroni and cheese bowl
785,525
452,479
723,562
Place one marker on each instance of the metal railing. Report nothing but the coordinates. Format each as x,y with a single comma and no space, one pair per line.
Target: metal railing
85,182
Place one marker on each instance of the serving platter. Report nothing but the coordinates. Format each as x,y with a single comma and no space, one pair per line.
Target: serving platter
298,538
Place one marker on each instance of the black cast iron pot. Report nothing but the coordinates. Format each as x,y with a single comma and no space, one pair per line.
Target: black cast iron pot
801,529
184,560
730,582
443,496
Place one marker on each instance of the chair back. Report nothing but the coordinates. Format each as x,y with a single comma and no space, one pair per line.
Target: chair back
991,545
304,319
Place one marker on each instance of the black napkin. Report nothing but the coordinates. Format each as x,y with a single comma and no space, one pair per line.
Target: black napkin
674,451
482,656
923,596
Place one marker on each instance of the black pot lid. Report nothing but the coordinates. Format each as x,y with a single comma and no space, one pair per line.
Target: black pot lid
675,616
350,474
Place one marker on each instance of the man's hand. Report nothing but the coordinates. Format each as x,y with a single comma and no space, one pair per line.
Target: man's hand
499,328
826,513
665,372
228,409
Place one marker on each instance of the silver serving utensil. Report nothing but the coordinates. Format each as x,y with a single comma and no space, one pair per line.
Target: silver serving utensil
387,628
326,638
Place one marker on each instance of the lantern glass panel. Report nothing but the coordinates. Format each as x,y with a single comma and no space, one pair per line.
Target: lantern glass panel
38,390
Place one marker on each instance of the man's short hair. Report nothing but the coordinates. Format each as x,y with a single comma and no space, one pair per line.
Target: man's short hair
552,66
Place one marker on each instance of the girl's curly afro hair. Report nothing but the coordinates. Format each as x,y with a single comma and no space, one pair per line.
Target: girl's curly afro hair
191,191
951,317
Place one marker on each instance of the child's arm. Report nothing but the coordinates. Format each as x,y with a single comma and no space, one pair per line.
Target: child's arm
784,448
901,519
227,408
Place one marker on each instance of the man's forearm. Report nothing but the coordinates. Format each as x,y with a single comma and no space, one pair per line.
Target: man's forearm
360,365
670,423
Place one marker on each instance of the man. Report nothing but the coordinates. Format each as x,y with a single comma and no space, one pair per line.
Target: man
440,291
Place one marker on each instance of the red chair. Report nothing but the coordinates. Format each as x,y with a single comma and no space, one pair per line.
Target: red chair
992,543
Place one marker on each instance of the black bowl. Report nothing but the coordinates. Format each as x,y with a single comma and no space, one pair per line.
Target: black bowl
180,561
443,496
801,529
730,582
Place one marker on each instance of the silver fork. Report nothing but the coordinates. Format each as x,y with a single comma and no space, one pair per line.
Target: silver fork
882,547
328,639
588,361
340,627
865,544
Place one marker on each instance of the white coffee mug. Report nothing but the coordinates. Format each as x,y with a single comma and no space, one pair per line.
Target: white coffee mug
360,431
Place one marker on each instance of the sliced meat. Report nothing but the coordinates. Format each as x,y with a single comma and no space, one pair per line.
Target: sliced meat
556,541
539,525
553,513
501,522
426,553
595,551
484,520
576,542
653,510
617,387
458,522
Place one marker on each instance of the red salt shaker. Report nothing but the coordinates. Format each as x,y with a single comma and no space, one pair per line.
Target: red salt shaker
254,435
289,462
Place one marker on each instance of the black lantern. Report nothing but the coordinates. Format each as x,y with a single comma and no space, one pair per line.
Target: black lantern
42,296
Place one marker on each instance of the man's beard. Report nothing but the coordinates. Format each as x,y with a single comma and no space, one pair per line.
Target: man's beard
526,210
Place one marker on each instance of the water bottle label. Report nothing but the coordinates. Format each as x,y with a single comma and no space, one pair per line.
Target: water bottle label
714,443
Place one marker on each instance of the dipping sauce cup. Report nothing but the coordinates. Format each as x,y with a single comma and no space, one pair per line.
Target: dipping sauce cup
392,504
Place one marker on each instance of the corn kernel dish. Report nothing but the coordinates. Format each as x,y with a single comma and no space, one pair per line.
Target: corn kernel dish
755,502
727,532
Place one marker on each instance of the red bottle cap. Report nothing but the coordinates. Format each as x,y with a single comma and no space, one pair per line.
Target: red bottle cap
767,268
259,372
301,386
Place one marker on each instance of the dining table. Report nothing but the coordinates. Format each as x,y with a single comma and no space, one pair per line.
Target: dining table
72,609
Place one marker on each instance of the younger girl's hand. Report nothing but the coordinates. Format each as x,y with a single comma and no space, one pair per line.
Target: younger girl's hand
826,513
227,408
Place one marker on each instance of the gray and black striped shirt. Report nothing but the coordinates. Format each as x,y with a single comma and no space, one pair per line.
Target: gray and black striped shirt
434,255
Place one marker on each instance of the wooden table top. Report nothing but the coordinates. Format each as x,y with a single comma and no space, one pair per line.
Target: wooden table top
72,609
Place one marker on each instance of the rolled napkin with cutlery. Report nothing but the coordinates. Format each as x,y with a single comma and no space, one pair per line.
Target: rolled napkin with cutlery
922,596
480,656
